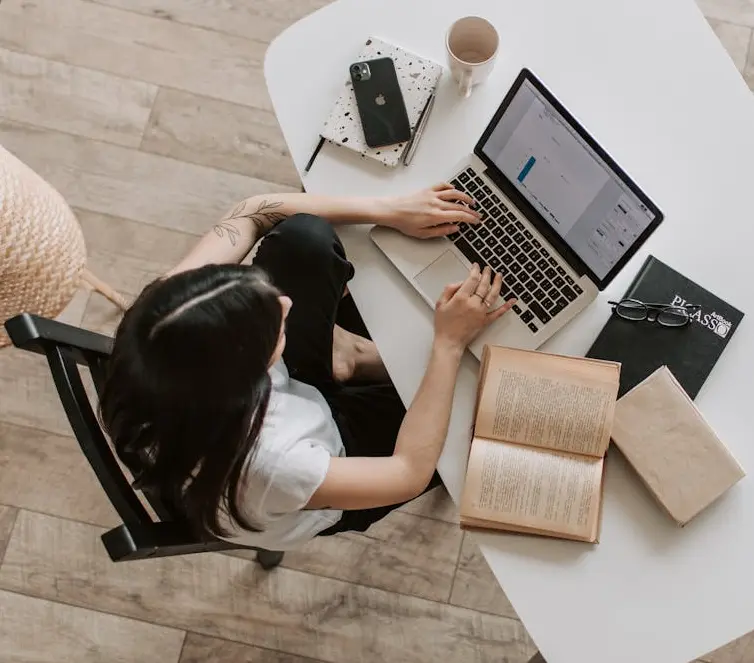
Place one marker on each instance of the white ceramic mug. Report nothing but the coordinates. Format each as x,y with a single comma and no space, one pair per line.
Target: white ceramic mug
472,44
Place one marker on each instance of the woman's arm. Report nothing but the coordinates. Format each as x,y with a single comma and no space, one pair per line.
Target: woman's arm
429,213
364,483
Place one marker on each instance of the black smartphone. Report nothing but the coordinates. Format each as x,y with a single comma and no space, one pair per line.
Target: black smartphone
380,102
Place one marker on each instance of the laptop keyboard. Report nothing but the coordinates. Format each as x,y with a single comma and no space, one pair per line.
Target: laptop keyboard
530,272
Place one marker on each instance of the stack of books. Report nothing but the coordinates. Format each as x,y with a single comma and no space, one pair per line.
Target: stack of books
544,422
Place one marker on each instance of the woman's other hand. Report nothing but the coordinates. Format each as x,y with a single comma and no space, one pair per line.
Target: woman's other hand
434,212
465,309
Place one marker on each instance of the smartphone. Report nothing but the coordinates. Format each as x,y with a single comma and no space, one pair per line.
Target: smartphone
380,102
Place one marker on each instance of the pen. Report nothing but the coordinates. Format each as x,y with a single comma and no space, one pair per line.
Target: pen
419,131
314,155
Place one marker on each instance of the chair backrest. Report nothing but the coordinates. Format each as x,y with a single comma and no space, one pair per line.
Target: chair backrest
68,348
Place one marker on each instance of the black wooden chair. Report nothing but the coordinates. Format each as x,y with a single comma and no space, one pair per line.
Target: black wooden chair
140,536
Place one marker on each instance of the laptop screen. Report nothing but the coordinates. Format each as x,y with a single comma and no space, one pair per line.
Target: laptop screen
579,195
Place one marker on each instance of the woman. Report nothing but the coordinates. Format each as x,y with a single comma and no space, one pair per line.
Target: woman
250,397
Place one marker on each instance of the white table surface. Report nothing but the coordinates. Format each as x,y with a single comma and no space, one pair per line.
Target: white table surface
654,86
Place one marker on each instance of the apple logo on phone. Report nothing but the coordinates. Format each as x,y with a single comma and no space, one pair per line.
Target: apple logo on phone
380,100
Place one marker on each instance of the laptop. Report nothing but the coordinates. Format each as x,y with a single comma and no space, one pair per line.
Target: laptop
560,219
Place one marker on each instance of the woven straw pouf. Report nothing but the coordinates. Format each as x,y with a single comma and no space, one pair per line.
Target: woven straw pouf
42,250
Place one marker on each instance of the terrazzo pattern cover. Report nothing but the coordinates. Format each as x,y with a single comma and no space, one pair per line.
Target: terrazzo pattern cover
418,78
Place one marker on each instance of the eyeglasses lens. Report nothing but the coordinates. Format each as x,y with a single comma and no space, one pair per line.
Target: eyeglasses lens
631,310
672,316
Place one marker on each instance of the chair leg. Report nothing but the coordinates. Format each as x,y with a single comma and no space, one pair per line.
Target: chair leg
269,559
95,283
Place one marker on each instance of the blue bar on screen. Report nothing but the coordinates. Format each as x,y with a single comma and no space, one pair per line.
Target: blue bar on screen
525,170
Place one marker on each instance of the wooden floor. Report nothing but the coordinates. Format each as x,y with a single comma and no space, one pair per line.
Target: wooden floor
151,117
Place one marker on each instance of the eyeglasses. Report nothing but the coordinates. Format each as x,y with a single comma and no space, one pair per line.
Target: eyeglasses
665,314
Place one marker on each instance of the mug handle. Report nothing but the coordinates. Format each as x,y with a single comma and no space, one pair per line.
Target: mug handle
464,84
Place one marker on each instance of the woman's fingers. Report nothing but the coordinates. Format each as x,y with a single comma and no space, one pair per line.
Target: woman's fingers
484,284
442,186
448,292
459,215
455,196
472,281
500,311
455,208
440,231
494,293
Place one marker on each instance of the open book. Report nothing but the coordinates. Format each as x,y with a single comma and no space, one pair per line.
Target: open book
542,429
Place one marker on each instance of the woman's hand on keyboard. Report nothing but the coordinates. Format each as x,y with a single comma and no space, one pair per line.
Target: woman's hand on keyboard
465,309
434,212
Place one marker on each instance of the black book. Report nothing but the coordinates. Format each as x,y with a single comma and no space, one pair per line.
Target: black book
690,352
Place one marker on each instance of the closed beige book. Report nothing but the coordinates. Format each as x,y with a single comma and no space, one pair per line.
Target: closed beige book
542,428
672,448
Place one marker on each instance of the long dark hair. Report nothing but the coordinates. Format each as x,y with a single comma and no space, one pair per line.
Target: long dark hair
187,387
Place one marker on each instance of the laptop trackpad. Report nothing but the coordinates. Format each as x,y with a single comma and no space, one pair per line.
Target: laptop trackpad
443,271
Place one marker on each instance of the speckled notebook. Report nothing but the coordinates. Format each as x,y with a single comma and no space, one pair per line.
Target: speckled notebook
418,78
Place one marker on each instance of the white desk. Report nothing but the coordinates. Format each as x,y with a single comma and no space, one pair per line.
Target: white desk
651,82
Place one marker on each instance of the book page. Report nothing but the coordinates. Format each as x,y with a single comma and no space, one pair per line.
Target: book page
549,401
536,489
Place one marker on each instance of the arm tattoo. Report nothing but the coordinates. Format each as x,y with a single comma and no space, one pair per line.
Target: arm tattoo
228,230
264,217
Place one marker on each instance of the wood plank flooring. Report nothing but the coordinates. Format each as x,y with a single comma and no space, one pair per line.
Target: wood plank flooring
152,118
